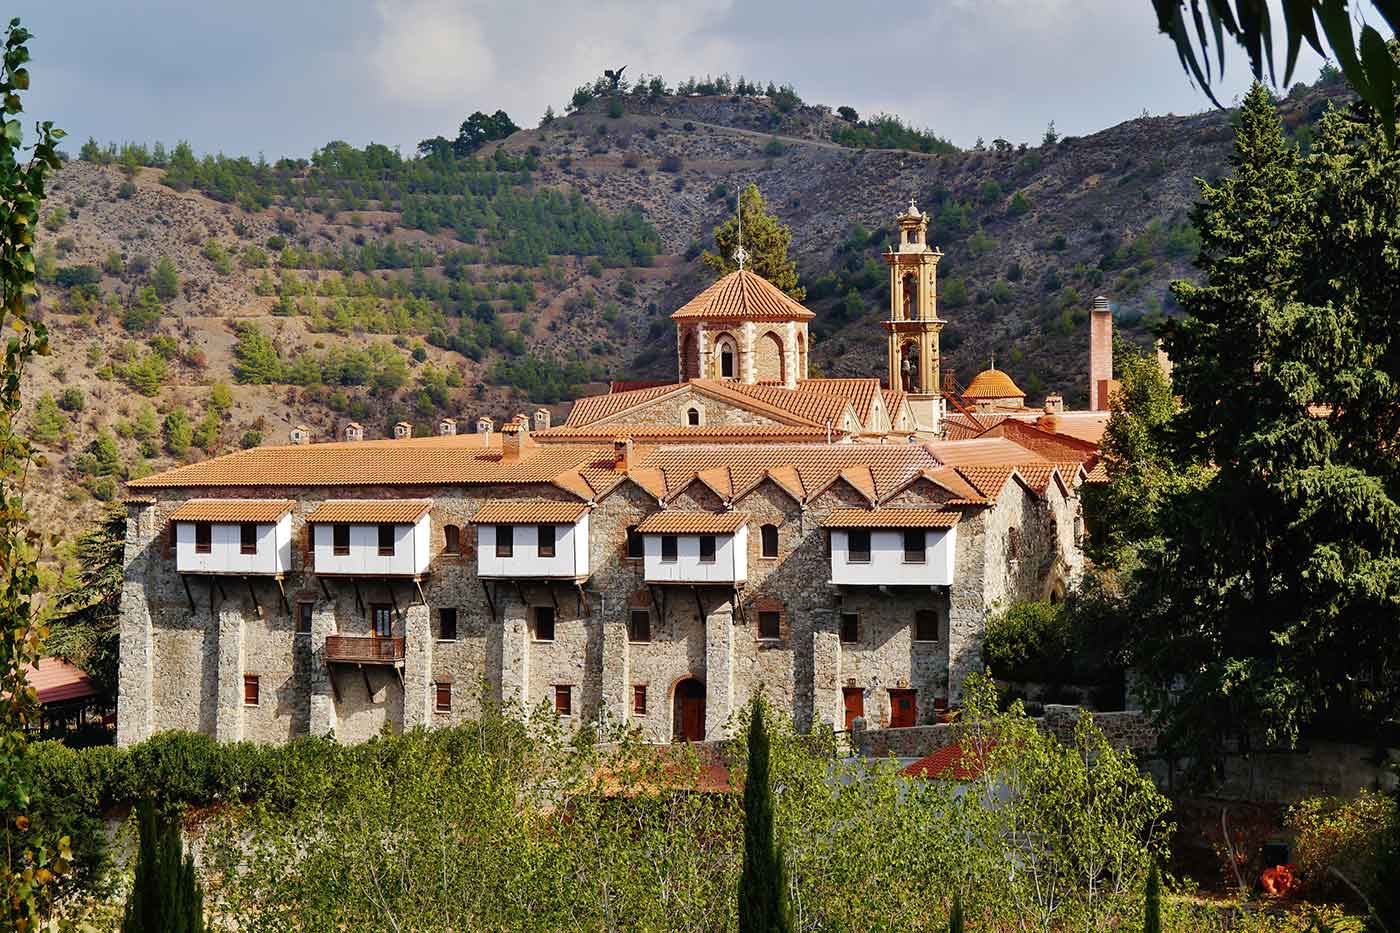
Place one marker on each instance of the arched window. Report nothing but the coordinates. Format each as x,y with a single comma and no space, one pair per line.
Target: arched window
911,297
770,540
452,539
726,361
692,416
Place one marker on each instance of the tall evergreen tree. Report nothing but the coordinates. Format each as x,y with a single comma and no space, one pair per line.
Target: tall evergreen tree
165,894
763,898
84,628
1152,903
1273,591
766,240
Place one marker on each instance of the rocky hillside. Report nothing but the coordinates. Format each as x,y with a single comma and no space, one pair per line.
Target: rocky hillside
200,305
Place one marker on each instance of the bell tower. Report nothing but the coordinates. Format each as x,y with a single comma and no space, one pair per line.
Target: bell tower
913,323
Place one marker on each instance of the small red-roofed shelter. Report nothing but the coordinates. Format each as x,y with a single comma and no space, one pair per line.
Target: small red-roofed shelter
68,697
950,763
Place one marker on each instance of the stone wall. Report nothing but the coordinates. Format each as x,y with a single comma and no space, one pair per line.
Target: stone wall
182,666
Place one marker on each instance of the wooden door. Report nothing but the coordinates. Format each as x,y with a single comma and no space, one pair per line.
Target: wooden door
854,698
902,708
689,724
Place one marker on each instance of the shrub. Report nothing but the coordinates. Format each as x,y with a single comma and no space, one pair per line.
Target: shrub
1347,835
670,163
72,399
125,190
615,107
1029,641
774,147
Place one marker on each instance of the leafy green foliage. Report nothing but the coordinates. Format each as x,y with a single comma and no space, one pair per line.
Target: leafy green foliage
1028,641
47,423
766,240
165,280
1345,836
84,627
179,433
1152,902
32,860
887,131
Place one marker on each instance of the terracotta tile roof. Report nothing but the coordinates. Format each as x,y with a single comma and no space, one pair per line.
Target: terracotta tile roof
683,432
806,467
232,511
990,479
983,451
528,512
452,459
992,384
861,393
1084,425
1037,475
893,517
369,511
1098,476
949,763
742,296
673,522
652,480
949,479
55,680
814,406
894,400
959,430
597,407
627,385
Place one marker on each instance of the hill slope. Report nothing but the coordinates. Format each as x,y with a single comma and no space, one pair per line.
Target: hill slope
360,285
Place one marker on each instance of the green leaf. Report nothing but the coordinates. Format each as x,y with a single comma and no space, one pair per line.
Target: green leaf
1381,79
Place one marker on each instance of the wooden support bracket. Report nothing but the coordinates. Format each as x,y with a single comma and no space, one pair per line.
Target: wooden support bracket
491,603
553,597
699,603
520,591
418,587
325,590
254,596
282,593
393,600
359,600
369,691
658,596
585,608
188,595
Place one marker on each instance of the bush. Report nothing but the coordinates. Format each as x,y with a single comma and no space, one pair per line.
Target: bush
1029,641
774,147
125,190
670,163
1350,836
72,399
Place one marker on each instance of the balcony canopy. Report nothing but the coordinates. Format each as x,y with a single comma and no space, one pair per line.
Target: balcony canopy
893,518
529,512
676,522
233,511
370,511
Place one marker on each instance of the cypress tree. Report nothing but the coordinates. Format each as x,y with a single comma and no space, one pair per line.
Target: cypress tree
165,895
763,903
955,920
1152,909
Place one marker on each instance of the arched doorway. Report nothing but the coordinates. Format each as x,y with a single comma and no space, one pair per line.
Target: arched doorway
688,711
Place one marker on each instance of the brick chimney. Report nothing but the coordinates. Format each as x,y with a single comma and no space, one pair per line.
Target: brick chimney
523,420
516,443
300,434
354,431
622,454
1100,354
403,430
485,425
541,419
447,427
1054,403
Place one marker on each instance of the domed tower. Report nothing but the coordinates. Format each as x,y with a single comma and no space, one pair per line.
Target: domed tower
913,324
742,328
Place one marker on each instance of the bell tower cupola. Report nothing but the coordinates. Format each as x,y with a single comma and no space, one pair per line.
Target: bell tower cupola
913,324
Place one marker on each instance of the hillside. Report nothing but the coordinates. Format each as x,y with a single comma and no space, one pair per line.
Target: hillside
360,285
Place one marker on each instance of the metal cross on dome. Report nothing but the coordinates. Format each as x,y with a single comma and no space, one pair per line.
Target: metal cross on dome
741,255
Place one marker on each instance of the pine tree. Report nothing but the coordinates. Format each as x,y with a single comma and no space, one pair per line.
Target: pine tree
1152,908
165,894
84,627
766,241
763,899
1274,590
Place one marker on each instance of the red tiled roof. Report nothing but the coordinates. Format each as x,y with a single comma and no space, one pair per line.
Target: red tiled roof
742,296
893,517
992,384
683,432
232,511
988,451
949,763
597,407
1098,476
528,512
369,511
55,680
675,522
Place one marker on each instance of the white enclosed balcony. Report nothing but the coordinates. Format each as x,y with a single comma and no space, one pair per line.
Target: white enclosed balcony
893,546
238,537
532,539
371,537
696,548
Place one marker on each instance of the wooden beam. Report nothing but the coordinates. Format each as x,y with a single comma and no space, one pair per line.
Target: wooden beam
699,603
282,592
253,594
553,596
491,603
188,595
658,596
369,691
325,590
585,608
393,600
335,688
359,600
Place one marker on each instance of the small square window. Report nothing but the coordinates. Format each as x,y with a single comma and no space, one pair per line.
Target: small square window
858,546
925,625
447,624
203,537
443,699
305,613
250,689
635,549
850,628
386,540
639,699
639,626
707,549
914,541
505,540
563,700
546,540
340,540
668,549
769,625
247,539
544,623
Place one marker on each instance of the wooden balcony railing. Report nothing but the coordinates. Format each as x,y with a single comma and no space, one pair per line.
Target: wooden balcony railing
364,649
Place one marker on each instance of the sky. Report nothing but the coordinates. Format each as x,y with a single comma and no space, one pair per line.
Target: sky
282,78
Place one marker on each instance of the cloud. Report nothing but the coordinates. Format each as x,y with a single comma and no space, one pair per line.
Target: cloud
430,51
